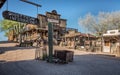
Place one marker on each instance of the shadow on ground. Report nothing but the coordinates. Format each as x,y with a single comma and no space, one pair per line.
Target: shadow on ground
1,42
88,64
4,49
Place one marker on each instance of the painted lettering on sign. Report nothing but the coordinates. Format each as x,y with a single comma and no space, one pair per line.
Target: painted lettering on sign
20,17
53,20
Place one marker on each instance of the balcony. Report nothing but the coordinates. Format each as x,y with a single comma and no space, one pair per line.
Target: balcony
67,29
55,27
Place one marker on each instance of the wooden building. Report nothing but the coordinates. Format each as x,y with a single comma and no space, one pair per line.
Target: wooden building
111,42
32,32
75,39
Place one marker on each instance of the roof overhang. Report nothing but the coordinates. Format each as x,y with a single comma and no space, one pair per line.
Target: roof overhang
111,35
2,3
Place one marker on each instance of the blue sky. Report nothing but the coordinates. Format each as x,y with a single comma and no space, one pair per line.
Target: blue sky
71,10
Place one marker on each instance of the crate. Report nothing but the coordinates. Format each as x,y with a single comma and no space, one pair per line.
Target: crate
64,55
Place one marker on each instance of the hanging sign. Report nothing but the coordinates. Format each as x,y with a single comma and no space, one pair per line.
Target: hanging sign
20,17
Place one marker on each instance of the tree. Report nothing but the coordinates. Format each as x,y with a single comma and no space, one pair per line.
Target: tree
8,25
102,22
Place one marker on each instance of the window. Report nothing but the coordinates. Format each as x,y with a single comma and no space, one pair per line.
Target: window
119,31
107,43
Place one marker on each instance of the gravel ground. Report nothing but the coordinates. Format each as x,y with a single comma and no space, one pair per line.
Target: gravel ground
20,61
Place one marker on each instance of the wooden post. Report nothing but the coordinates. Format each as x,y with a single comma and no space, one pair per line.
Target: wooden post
101,42
74,41
20,36
50,41
79,41
119,46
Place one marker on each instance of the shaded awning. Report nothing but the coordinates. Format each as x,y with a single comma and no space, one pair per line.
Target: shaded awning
80,35
112,37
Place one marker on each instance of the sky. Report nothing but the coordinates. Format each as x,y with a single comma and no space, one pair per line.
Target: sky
71,10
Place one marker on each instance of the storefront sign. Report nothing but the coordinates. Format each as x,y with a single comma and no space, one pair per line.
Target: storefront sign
20,17
53,20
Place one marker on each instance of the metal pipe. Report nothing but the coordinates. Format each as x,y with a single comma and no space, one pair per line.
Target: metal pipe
31,3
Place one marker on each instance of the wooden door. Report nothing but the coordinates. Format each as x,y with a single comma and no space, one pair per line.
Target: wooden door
106,47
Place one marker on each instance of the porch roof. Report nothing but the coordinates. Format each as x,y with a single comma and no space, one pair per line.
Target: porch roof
111,35
72,35
79,35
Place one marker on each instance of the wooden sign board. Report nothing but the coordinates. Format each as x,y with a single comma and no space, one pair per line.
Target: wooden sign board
53,20
20,18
